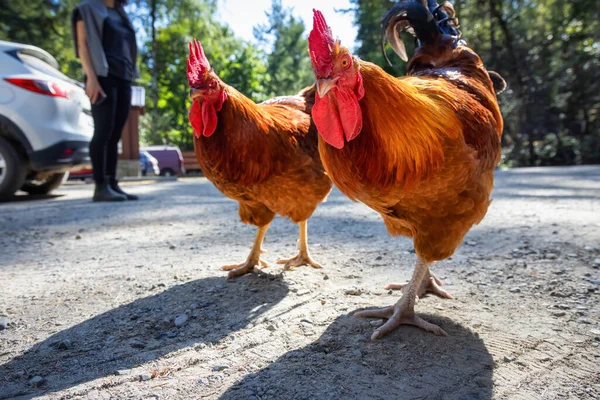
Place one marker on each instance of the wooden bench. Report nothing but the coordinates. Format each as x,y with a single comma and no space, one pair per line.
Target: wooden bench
190,163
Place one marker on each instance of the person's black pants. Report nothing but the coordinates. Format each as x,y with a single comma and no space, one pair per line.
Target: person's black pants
110,116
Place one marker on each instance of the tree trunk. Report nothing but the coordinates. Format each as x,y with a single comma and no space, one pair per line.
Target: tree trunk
154,66
493,47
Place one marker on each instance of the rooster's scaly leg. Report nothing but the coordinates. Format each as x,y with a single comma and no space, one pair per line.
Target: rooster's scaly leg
403,312
303,257
430,284
253,259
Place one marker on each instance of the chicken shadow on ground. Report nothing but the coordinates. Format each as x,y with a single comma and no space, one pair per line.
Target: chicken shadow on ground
406,364
140,332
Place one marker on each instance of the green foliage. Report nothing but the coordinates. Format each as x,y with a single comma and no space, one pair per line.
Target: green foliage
42,23
367,18
288,63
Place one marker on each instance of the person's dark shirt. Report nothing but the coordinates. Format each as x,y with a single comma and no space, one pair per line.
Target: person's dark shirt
118,39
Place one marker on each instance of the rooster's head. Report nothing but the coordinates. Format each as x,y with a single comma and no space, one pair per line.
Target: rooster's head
207,92
336,113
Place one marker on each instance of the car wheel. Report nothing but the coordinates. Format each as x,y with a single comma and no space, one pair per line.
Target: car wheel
12,170
44,186
167,172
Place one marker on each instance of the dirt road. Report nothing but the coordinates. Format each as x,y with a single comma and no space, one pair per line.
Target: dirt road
126,301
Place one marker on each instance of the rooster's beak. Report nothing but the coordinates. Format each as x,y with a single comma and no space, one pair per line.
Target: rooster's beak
195,93
325,85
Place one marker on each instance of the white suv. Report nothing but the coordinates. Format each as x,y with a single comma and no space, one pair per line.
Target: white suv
45,121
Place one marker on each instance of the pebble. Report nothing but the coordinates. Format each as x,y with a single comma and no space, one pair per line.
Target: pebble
145,377
509,358
302,292
483,382
271,328
36,381
376,323
597,262
353,292
515,290
65,344
137,344
559,314
180,320
595,331
544,359
584,321
202,381
17,375
220,367
78,237
551,256
3,322
123,372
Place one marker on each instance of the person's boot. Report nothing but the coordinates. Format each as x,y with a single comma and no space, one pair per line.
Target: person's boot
114,185
103,192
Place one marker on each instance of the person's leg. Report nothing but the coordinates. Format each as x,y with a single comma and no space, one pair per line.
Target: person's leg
103,113
121,115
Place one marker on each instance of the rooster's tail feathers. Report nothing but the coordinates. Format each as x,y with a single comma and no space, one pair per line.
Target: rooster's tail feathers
424,19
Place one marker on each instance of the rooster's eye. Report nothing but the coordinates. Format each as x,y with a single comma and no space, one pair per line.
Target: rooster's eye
212,84
345,62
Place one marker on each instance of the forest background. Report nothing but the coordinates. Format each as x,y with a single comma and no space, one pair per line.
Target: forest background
547,50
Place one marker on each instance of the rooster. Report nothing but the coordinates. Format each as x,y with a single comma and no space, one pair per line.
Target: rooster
420,150
265,155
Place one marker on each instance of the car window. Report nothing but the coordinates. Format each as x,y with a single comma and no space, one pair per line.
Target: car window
39,64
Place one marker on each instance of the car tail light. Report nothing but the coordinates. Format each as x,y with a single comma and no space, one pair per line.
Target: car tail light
46,87
67,154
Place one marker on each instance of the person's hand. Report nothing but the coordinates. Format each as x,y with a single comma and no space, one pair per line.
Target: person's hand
94,91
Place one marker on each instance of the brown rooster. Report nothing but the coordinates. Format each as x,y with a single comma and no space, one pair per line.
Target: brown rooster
265,155
420,150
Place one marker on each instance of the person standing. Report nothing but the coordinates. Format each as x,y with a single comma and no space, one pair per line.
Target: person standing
105,42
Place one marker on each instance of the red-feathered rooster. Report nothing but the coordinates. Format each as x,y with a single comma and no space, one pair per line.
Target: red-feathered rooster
420,150
265,155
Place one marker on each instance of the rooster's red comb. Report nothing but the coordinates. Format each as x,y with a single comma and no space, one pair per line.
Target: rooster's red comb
198,64
321,45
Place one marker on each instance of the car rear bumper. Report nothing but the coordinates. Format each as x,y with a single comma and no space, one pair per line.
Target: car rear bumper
61,156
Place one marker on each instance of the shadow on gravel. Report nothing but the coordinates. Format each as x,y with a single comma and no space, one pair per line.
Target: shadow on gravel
407,364
32,197
140,332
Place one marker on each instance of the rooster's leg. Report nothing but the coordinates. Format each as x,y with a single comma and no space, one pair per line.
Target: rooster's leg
430,284
403,312
253,259
303,257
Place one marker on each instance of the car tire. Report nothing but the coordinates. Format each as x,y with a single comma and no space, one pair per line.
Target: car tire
167,172
12,170
45,185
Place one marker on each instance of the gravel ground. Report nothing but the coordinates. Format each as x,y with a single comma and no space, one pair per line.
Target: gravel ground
126,301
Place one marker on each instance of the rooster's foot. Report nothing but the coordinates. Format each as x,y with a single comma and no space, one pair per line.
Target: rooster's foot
396,315
236,270
431,284
300,259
